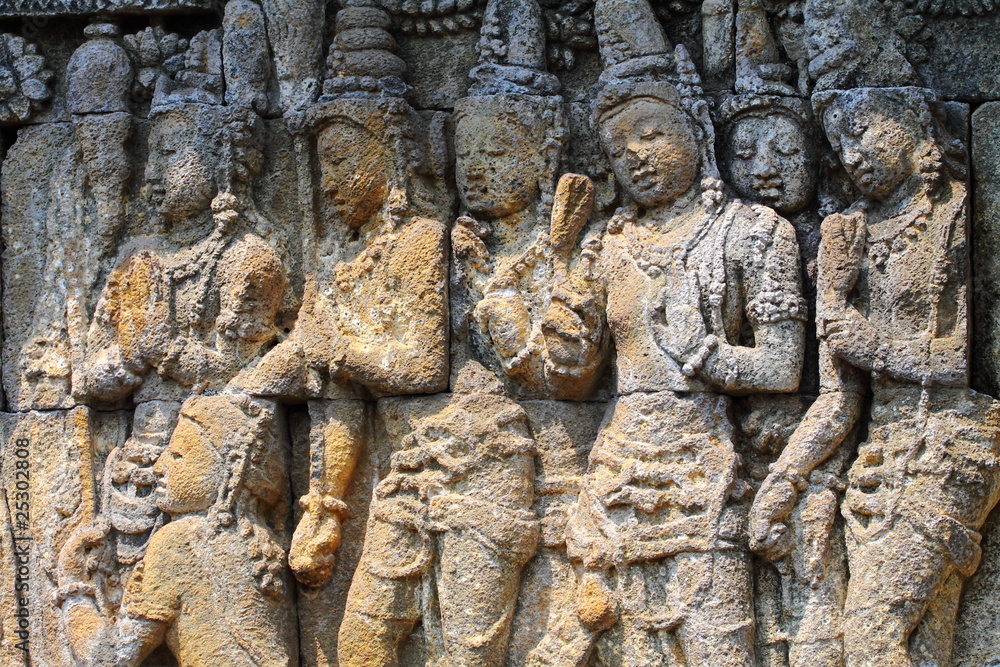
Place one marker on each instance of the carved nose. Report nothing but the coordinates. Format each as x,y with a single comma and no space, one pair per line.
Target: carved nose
850,157
764,168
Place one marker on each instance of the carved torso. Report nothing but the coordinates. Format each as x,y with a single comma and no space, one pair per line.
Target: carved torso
647,282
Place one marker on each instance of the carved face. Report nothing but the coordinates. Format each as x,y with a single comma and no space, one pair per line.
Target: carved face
770,160
181,166
253,284
653,150
355,168
875,147
189,471
499,162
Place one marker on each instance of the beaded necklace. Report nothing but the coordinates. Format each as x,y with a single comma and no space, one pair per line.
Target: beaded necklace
653,260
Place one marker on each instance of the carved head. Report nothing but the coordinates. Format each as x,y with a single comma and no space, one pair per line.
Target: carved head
368,158
226,457
507,151
653,149
355,169
197,151
253,283
183,159
659,137
224,449
768,152
885,136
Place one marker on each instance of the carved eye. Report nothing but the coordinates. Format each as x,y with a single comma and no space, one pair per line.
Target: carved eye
497,152
788,151
744,152
651,134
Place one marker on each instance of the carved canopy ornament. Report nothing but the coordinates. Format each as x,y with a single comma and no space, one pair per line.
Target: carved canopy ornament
435,17
952,7
67,7
23,79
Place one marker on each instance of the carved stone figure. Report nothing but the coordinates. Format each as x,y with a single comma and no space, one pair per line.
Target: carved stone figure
213,584
770,154
374,315
892,305
184,311
455,508
522,283
657,527
522,301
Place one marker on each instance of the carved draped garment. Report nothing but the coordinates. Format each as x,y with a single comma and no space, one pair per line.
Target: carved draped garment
933,454
663,473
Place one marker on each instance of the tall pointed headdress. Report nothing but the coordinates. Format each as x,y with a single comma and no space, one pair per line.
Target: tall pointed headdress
511,73
364,85
224,86
637,56
511,50
639,62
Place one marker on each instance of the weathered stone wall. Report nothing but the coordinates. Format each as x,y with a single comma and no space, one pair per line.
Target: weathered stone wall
496,333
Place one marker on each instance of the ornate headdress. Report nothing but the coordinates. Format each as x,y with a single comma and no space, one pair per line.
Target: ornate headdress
224,85
364,85
245,432
734,108
638,63
511,74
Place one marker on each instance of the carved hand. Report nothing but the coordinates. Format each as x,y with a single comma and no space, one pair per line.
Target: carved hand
316,538
769,536
467,242
680,329
851,337
504,316
572,329
85,553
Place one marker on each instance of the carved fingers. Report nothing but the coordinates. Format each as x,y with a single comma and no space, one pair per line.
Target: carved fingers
851,337
84,555
769,535
841,250
316,538
572,328
467,242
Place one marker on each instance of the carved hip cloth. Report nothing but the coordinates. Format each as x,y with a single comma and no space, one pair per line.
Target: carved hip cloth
662,479
931,465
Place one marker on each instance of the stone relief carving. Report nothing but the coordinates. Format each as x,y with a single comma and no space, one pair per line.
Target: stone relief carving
456,504
223,485
498,333
532,314
660,507
911,214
